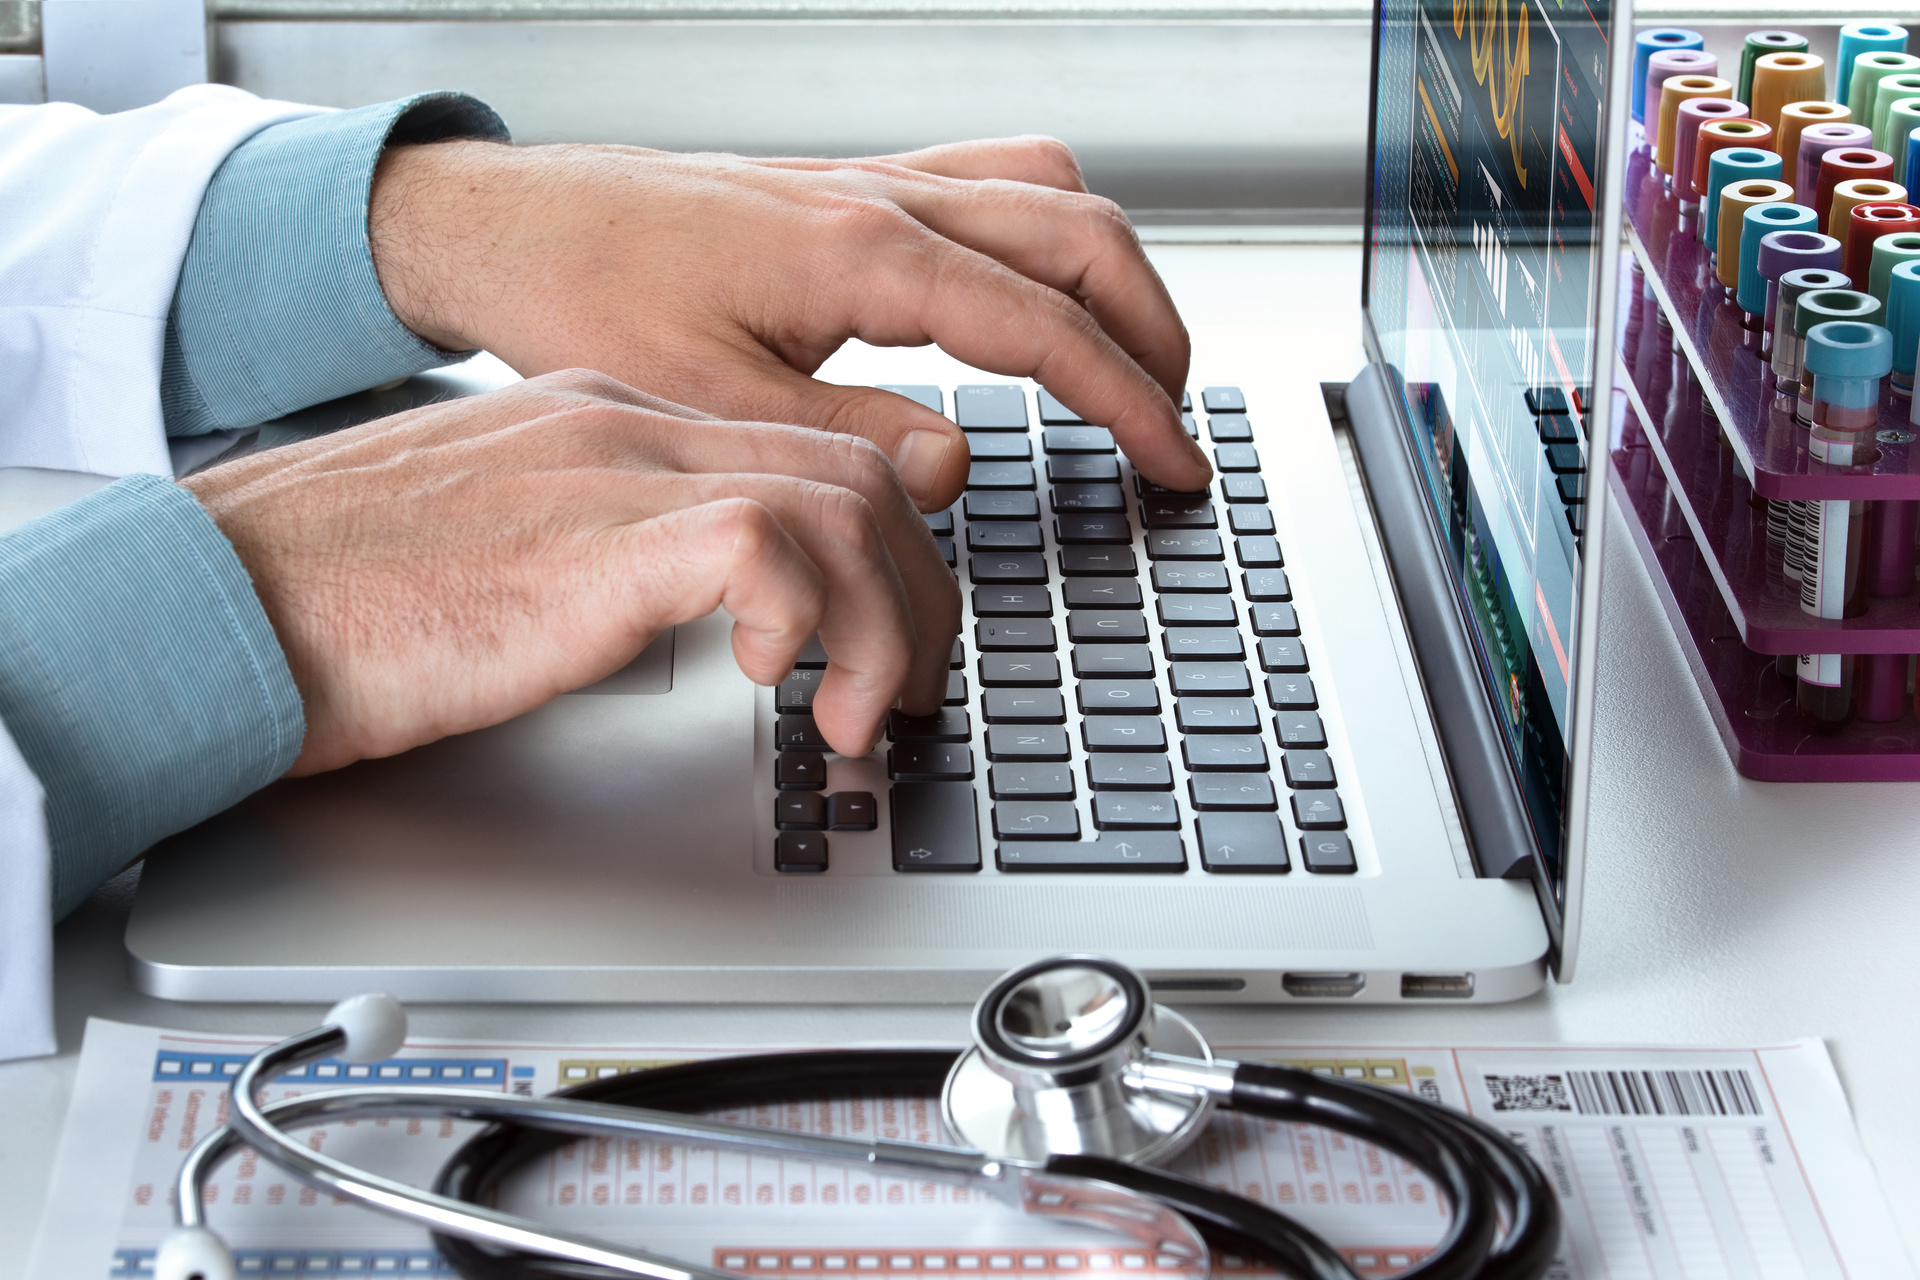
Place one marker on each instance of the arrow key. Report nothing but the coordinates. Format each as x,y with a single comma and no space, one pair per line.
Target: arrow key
1242,843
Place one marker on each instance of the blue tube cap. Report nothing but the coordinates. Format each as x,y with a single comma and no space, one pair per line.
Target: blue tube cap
1731,164
1903,314
1758,223
1857,38
1650,42
1849,349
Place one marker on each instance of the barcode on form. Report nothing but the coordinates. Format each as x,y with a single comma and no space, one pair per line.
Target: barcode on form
1629,1093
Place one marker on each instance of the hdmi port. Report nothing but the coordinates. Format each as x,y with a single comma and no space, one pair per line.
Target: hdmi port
1323,986
1436,986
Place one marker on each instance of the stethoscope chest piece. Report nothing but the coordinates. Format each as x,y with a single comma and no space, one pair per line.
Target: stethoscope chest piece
1048,1073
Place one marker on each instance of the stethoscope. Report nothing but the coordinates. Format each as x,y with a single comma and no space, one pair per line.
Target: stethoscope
1076,1084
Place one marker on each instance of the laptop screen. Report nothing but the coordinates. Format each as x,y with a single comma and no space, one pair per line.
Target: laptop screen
1482,285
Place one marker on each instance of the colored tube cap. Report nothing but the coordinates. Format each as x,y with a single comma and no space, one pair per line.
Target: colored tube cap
1869,69
1784,251
1733,164
1815,141
1844,165
1780,78
1890,90
1693,113
1903,313
1857,38
1757,45
1676,90
1758,223
1913,158
1817,306
1888,252
1737,200
1717,135
1865,226
1849,349
1645,45
1795,118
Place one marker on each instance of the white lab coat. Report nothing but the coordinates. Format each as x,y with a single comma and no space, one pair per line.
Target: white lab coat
95,214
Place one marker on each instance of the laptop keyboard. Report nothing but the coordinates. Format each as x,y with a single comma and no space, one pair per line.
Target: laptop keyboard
1133,658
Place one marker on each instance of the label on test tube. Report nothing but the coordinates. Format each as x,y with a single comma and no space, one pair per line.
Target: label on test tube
1823,578
1822,669
1794,560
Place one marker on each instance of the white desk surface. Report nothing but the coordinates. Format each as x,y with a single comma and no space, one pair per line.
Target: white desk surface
1720,911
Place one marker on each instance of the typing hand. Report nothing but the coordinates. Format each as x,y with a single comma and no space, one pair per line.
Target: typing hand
452,567
725,282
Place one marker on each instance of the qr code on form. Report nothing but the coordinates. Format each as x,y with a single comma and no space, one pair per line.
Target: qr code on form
1529,1093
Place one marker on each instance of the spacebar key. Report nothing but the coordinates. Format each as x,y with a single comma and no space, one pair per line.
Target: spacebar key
935,827
1113,851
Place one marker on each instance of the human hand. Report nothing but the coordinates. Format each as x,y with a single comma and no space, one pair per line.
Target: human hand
452,567
724,282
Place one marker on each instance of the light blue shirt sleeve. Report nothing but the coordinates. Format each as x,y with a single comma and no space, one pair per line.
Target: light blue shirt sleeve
278,305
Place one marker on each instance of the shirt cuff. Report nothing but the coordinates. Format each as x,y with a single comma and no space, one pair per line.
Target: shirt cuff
139,676
278,305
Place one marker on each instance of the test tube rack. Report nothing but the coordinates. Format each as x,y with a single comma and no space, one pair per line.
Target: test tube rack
1700,443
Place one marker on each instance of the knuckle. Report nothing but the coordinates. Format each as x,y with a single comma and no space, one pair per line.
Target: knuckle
863,462
866,220
1052,157
586,382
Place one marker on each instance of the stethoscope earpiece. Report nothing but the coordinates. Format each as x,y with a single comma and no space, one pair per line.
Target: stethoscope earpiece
193,1253
374,1024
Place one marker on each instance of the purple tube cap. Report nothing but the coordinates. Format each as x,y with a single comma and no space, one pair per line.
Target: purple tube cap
1784,251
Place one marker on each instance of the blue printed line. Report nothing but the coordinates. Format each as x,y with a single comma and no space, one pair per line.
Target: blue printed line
172,1067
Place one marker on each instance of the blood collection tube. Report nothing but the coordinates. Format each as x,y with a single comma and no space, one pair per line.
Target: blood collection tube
1815,141
1736,199
1903,322
1824,690
1891,523
1731,165
1890,90
1890,251
1760,220
1881,686
1865,225
1795,119
1857,38
1788,339
1693,113
1846,359
1780,78
1784,251
1846,164
1676,90
1846,196
1645,45
1825,306
1759,43
1869,69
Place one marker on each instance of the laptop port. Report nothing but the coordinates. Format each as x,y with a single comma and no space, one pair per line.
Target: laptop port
1436,986
1323,986
1174,986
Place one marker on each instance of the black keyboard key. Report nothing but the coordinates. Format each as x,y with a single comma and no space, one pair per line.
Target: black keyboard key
800,811
1101,593
919,394
1250,519
1191,577
798,733
1019,742
1328,853
1000,475
1019,671
936,827
1183,544
1232,792
957,658
1008,566
1216,644
1123,733
1081,439
1023,706
1186,401
1098,562
1109,771
1264,585
1148,489
800,851
1299,729
1000,636
1147,851
1092,530
1243,488
1062,467
812,658
1224,753
930,762
998,446
956,689
1274,620
1291,692
1053,413
1088,496
852,811
1236,457
1216,715
1112,661
800,771
1308,770
1258,553
1003,535
1118,697
1283,653
1220,400
945,548
948,724
1318,811
940,522
1577,520
1546,400
1218,679
1177,513
1129,811
1573,489
1030,781
1556,428
1012,602
795,692
1036,820
1001,407
1001,504
1241,844
1105,626
1229,428
1196,611
1192,427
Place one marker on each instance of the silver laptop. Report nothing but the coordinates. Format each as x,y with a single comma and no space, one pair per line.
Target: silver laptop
1318,733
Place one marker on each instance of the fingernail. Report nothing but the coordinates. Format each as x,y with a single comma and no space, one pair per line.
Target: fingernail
919,460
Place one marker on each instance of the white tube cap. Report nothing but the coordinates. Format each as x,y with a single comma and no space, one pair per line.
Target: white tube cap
193,1253
374,1023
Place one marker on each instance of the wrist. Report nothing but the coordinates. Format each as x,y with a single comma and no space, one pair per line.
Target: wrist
431,235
